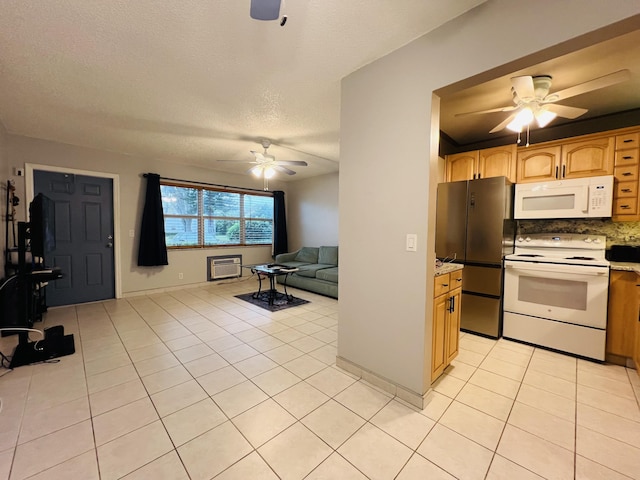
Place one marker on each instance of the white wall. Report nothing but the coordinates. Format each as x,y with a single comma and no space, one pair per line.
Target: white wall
389,165
312,212
191,262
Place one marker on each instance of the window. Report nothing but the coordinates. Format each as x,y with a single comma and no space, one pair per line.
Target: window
205,217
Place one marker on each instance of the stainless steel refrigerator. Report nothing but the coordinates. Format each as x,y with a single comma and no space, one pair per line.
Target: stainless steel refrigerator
475,227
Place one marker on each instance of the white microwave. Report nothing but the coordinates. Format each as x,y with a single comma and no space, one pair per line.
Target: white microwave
576,198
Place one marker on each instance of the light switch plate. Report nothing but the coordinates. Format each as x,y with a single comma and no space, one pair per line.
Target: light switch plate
412,242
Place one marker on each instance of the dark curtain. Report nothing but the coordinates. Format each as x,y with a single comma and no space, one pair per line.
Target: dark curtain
280,244
153,248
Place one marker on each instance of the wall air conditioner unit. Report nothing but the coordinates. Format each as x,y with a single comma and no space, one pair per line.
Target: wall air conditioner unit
224,266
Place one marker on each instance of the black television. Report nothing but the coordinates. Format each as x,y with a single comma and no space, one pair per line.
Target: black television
42,225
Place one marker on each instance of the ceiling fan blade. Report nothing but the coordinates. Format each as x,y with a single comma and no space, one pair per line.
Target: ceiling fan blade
491,110
236,161
300,163
523,87
503,124
595,84
259,156
565,111
265,9
282,169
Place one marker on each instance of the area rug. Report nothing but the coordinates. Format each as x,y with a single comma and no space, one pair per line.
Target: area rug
279,304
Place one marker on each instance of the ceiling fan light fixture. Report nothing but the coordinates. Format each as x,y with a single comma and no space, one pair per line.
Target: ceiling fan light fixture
544,117
269,172
521,120
256,171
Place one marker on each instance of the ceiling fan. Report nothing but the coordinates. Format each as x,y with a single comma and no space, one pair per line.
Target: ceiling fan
265,165
267,10
532,100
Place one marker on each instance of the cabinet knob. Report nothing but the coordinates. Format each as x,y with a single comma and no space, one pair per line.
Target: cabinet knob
625,207
626,190
626,174
445,284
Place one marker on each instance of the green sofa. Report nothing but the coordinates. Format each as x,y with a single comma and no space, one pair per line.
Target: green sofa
317,269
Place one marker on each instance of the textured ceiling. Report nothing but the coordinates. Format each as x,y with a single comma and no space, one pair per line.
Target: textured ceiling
193,81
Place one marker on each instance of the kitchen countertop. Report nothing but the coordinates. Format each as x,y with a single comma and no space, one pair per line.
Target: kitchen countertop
626,266
448,268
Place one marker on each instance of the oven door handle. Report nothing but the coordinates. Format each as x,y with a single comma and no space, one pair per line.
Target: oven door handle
558,268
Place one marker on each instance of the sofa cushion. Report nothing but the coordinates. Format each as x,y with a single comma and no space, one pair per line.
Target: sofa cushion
308,255
328,274
311,269
328,255
294,264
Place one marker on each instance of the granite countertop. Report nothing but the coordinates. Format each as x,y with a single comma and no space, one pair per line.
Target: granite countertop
448,268
626,266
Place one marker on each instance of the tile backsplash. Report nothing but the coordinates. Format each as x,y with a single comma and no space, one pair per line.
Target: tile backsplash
617,233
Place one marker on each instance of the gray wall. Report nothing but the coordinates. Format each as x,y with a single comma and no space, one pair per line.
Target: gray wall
312,212
192,262
5,175
388,167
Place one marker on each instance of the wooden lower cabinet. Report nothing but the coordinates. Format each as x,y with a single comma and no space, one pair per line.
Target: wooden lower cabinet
446,321
622,328
636,347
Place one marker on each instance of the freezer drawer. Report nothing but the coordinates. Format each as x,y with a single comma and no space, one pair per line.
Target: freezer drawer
481,315
485,280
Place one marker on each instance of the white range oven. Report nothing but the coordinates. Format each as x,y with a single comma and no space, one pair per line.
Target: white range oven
556,290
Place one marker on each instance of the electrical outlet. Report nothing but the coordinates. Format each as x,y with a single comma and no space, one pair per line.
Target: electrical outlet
180,276
19,172
132,233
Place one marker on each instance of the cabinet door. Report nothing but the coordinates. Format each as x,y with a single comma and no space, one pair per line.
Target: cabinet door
636,350
589,158
461,166
623,314
453,324
438,354
498,162
538,164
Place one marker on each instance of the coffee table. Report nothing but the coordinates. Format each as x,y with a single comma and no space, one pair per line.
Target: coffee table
271,271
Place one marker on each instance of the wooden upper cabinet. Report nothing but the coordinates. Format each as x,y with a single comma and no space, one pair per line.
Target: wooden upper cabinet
461,166
585,158
588,158
489,162
498,162
538,164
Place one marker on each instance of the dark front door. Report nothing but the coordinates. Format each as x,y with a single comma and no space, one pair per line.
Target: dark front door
84,236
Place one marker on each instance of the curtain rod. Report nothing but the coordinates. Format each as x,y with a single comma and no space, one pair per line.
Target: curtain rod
145,175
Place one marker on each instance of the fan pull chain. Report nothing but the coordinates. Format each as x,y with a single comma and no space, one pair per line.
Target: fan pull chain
527,136
518,138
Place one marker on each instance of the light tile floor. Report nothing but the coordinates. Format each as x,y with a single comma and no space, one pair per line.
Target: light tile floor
195,384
